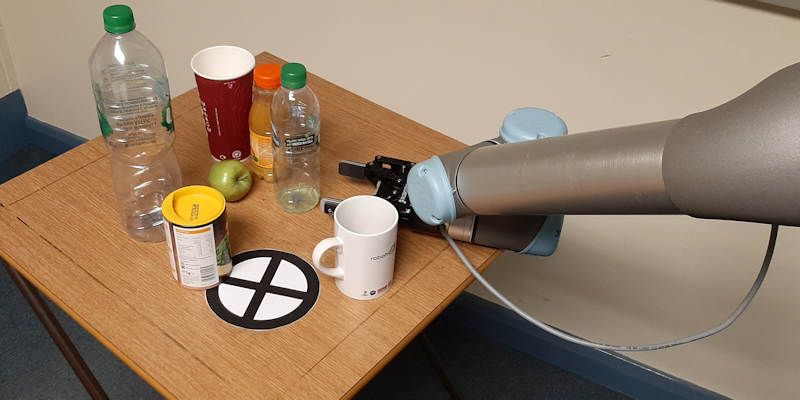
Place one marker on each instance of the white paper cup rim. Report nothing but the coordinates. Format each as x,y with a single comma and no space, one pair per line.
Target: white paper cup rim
222,63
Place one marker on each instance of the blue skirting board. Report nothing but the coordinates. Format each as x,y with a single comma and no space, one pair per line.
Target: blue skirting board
609,369
18,129
13,133
51,138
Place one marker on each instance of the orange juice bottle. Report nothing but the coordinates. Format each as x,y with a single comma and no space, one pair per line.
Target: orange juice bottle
266,79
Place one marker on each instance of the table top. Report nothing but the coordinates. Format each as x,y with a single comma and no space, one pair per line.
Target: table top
59,227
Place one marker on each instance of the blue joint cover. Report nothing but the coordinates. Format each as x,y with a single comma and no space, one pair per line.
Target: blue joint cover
546,241
530,124
430,192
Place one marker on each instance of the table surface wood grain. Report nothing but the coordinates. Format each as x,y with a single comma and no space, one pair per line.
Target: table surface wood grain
59,227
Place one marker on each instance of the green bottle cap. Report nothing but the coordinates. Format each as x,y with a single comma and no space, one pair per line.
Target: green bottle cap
118,19
293,75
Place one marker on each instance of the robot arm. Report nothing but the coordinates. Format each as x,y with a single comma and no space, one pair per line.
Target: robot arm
739,161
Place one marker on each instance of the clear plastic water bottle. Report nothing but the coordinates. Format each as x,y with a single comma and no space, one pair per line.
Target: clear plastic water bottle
295,127
133,106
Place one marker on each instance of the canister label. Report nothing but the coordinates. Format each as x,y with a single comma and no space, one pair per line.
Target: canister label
196,229
197,256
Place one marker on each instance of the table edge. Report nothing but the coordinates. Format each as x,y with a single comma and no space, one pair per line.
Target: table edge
30,173
419,327
163,391
85,325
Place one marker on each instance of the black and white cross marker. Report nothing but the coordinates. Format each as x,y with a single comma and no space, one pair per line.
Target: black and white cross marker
266,289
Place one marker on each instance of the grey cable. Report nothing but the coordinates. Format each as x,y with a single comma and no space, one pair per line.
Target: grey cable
773,236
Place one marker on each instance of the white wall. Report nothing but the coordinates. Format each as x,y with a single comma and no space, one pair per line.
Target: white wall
459,66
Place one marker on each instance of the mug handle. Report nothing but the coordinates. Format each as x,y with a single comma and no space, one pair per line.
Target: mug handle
320,249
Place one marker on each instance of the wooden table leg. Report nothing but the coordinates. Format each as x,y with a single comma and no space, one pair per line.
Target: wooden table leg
58,335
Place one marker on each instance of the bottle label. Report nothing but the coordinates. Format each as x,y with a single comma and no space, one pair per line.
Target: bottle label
261,149
134,103
166,117
301,144
105,127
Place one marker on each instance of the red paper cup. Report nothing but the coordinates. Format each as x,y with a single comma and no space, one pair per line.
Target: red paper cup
224,76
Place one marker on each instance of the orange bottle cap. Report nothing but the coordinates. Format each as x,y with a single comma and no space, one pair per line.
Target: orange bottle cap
267,76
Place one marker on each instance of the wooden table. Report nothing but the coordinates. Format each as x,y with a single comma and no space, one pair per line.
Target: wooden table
60,230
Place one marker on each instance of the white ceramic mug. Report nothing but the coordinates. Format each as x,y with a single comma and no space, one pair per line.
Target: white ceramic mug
365,238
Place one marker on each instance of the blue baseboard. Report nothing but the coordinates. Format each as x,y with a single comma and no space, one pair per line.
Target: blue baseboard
18,129
13,135
609,369
51,138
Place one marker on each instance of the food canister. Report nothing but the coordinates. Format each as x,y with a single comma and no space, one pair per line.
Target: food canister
196,230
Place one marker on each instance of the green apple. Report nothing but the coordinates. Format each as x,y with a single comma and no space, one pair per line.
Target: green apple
231,178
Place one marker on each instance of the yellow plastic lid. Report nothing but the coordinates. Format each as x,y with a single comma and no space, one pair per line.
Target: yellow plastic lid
193,206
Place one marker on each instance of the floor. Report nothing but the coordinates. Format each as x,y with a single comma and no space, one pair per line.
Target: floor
477,366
